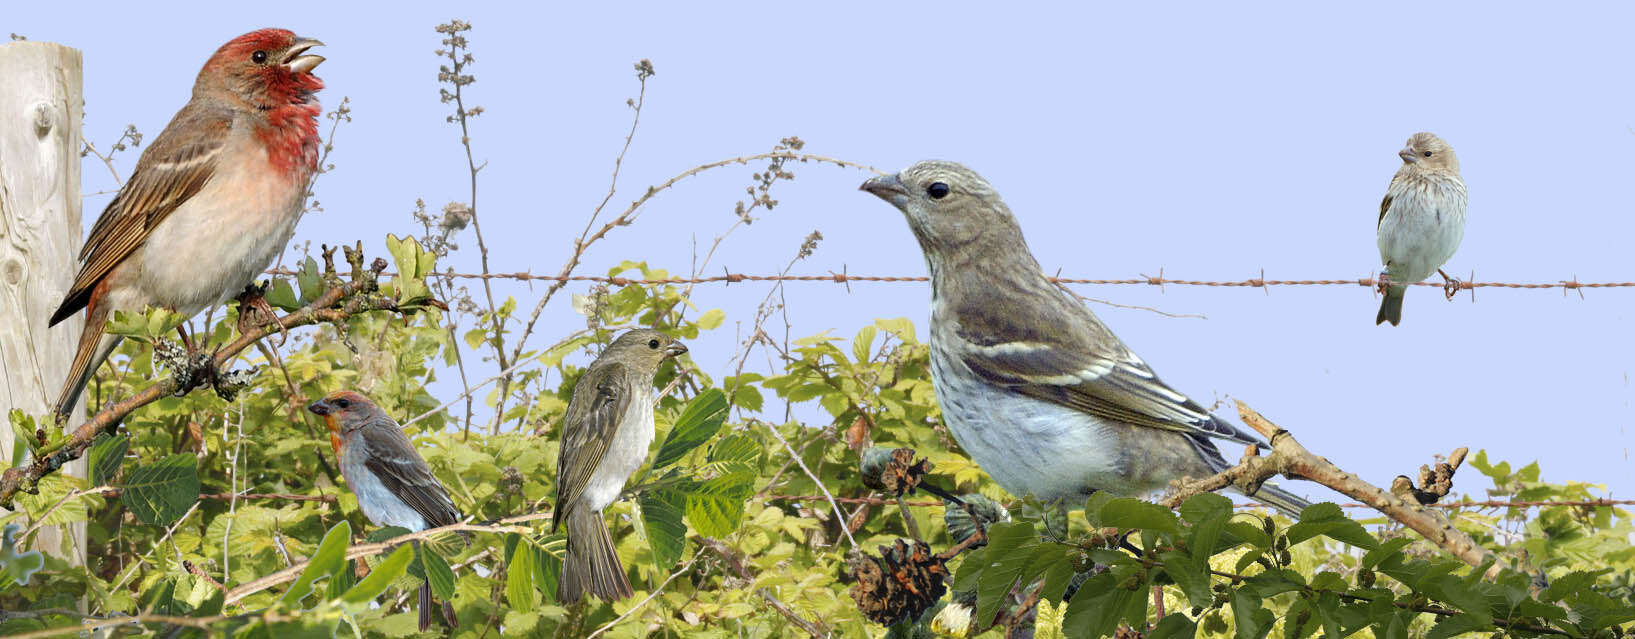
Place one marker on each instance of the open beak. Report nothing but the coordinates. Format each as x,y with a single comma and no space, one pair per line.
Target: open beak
675,349
319,407
1408,155
888,188
297,63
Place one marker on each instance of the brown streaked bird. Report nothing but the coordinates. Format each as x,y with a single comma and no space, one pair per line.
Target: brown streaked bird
1422,221
394,485
1041,394
605,435
212,201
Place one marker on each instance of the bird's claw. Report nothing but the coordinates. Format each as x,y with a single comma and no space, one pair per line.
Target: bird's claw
254,311
1383,283
1450,285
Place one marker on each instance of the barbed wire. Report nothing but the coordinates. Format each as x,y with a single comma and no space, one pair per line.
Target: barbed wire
1451,505
1160,280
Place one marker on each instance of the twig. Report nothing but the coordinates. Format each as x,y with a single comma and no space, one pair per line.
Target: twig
609,625
839,516
742,571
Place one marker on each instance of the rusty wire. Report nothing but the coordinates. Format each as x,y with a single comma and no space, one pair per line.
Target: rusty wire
1160,280
1587,503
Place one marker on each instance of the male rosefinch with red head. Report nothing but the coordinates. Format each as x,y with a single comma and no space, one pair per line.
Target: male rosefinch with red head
213,200
605,435
1422,220
394,485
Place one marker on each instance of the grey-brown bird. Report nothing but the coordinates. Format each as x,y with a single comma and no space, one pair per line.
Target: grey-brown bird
605,435
1040,393
1422,220
394,485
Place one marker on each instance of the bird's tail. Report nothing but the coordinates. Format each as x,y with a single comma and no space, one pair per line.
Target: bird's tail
1283,500
592,564
94,346
426,604
1391,306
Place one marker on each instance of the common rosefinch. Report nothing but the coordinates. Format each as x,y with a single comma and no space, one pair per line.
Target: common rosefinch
605,435
394,485
213,200
1422,220
1041,394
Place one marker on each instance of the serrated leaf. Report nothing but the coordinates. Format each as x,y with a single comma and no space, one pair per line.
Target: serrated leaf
863,343
697,424
1099,605
662,512
519,578
107,454
716,506
381,578
1252,620
736,453
438,573
328,558
158,494
1134,514
1010,549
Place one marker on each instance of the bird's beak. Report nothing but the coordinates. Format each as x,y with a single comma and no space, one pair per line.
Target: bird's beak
888,188
297,63
319,407
675,349
1407,154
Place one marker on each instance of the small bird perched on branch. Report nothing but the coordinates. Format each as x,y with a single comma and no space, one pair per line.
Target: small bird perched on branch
1422,220
394,485
213,200
1042,395
605,435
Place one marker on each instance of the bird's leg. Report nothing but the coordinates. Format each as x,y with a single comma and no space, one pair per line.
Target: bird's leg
254,298
187,342
1383,283
1450,285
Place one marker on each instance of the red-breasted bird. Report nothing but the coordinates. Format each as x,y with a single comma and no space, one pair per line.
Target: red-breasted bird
213,200
605,435
394,485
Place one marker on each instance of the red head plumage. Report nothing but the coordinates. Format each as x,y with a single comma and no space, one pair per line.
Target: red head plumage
269,72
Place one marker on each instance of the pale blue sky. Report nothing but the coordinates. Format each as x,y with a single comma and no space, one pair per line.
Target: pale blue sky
1209,140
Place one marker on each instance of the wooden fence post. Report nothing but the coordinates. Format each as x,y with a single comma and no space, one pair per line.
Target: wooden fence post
40,111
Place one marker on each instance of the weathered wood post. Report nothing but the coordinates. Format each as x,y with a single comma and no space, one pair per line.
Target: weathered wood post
41,106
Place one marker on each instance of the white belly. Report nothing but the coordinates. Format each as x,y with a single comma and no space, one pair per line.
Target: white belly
1421,230
1029,446
221,239
624,454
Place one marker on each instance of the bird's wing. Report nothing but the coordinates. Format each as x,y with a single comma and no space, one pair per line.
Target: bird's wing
1385,205
172,170
397,465
599,402
1085,367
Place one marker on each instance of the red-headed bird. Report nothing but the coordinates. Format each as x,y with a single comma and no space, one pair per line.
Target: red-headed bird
394,485
213,200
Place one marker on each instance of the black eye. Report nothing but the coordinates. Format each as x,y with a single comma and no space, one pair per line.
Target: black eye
1427,154
258,57
937,190
343,403
653,344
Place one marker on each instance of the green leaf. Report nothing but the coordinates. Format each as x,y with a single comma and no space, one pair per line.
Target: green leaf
1135,514
281,295
23,430
15,566
1388,549
666,533
310,281
438,573
1174,626
1099,605
711,319
1193,579
863,343
548,565
341,581
519,579
107,454
696,425
161,493
381,578
1326,519
736,453
716,506
1252,620
1455,625
328,558
1010,549
160,599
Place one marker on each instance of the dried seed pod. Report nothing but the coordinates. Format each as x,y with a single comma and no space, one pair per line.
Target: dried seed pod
958,519
902,583
892,470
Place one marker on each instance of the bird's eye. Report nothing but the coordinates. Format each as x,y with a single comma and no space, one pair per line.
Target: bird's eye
258,57
1427,154
343,403
937,190
653,344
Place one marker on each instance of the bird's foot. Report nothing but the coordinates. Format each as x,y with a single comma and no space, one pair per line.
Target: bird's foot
254,311
1450,285
1383,283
